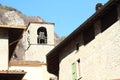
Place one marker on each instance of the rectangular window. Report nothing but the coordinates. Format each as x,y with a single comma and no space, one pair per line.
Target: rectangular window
76,70
74,73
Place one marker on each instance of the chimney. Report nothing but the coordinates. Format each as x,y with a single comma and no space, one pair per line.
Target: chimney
98,6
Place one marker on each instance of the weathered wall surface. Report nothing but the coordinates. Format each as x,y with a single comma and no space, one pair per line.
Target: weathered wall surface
99,59
38,52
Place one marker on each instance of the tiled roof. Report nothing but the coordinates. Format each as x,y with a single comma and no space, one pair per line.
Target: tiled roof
26,63
11,74
12,71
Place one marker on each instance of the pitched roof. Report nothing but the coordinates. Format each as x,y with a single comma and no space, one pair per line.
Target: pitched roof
12,74
53,55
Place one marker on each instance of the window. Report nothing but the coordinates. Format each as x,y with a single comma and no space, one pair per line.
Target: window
76,70
42,35
88,34
74,73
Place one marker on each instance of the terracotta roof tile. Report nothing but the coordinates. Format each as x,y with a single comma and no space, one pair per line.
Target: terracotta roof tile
26,63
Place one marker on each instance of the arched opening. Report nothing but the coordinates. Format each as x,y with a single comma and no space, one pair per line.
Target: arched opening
42,35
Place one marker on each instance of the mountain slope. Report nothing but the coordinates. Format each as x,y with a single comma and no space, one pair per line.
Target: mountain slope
11,16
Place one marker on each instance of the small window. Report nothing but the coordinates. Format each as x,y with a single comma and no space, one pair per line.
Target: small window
76,70
42,35
88,34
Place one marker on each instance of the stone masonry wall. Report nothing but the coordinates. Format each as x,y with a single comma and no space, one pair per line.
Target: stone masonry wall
99,59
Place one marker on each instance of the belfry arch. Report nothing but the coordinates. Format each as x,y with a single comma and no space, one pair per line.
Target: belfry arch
42,35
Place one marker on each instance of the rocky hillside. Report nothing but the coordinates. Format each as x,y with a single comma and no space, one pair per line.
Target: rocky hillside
12,16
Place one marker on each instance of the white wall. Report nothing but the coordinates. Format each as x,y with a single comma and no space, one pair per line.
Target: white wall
3,49
33,27
34,73
37,52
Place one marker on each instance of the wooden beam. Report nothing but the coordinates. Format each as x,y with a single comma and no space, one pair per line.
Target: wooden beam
11,26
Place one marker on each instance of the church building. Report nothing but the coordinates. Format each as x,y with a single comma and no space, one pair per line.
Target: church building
38,40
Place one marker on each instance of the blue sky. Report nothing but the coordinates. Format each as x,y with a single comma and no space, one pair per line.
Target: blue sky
66,14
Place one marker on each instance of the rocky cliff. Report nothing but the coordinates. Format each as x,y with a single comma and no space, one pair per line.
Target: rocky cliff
11,16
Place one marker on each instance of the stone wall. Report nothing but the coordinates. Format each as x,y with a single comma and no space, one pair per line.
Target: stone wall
99,59
37,52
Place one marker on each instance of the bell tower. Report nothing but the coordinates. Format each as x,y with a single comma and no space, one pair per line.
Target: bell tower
39,38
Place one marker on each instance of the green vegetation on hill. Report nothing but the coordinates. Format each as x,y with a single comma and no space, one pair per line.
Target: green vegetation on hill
8,8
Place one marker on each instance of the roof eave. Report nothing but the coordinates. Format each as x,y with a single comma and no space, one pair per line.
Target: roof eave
55,51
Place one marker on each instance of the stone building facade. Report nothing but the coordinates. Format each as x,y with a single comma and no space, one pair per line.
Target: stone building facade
38,40
92,51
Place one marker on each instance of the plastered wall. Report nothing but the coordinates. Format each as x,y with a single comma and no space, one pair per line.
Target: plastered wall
99,59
